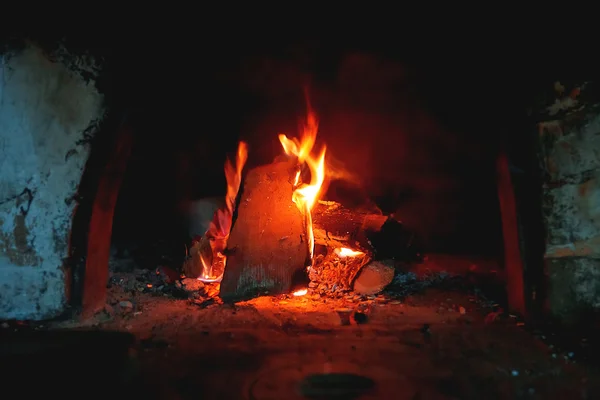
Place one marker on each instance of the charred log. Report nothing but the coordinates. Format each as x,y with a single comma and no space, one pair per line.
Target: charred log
334,272
268,244
378,237
374,277
365,229
337,226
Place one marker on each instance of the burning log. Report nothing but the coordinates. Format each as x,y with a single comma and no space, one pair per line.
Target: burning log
337,226
340,230
206,260
268,246
336,271
353,238
365,229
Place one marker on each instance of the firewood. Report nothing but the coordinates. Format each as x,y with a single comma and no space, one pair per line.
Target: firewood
374,277
334,272
337,226
364,229
268,246
378,236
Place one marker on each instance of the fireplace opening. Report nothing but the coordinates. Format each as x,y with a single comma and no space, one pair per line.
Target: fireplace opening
410,209
297,220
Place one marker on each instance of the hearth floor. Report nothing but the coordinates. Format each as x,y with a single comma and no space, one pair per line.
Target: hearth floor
433,345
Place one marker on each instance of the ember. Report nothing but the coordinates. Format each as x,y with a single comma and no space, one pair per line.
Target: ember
306,195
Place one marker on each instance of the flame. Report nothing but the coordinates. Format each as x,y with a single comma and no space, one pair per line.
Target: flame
300,292
305,195
346,252
220,226
234,175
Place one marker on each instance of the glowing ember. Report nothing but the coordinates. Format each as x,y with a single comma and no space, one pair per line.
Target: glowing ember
300,292
346,252
306,194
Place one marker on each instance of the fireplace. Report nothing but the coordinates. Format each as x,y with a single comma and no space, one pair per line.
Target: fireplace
315,174
326,226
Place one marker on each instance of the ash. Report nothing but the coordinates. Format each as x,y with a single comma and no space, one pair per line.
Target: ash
428,335
162,282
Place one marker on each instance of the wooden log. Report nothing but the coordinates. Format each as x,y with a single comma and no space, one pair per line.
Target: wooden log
382,239
365,229
335,271
268,246
337,226
374,277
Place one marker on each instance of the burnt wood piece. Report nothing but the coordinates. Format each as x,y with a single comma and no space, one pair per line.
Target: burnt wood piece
268,245
332,272
374,277
365,229
337,226
100,227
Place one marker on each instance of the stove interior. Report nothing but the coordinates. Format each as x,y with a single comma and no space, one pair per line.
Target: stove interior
296,219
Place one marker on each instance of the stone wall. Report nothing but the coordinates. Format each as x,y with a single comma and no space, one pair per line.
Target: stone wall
46,110
569,136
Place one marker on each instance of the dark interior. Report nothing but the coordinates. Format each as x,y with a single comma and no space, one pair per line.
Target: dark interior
419,140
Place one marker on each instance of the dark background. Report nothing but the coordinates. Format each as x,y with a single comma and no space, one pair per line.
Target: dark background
417,128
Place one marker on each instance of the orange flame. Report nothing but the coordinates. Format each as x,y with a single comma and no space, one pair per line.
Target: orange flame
220,226
305,195
234,175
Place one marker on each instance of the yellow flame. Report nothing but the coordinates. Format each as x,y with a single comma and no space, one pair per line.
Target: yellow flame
234,175
346,252
305,195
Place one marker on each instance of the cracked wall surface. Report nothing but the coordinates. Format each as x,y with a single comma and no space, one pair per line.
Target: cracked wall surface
45,108
570,158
